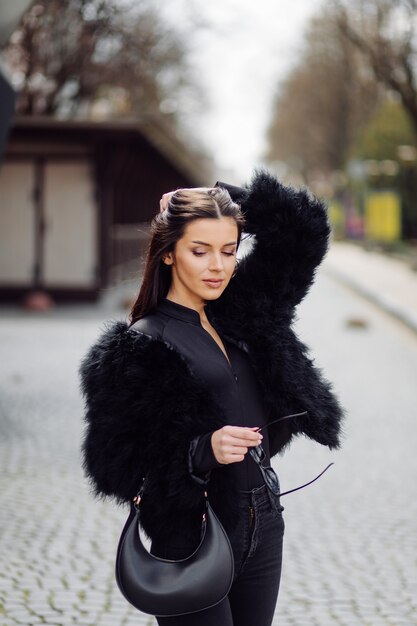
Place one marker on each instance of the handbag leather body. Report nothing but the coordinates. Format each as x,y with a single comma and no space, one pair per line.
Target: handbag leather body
164,587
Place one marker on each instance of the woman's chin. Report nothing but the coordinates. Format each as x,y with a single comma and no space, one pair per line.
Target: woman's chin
213,295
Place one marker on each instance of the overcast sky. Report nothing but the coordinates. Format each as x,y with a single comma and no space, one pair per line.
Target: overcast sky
249,48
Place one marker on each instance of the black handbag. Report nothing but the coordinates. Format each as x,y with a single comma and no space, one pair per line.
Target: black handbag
164,587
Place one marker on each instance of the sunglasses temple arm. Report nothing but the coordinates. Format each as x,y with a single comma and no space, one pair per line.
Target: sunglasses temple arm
311,481
280,419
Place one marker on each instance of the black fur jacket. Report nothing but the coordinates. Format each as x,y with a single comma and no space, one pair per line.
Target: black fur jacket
144,404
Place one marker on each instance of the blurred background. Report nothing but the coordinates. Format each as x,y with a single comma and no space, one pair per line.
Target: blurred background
104,106
117,102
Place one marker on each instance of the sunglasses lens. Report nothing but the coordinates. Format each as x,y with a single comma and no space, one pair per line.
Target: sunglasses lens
270,477
257,453
272,480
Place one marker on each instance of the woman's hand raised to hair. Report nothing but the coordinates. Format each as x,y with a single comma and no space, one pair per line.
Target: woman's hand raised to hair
163,203
231,443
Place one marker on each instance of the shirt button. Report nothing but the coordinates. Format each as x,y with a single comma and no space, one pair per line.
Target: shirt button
235,375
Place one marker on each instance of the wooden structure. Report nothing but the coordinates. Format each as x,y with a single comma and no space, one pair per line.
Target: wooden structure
77,197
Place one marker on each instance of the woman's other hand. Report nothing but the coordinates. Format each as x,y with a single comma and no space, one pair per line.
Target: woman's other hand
231,443
163,203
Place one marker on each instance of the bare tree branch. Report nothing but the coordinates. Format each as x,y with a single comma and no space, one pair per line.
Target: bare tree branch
65,56
323,103
390,55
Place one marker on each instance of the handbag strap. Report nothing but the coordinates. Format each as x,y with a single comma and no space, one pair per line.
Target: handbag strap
138,497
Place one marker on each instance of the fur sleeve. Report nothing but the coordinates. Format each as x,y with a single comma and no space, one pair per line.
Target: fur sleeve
142,409
306,388
292,235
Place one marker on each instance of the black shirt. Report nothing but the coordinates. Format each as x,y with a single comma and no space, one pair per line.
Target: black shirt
234,384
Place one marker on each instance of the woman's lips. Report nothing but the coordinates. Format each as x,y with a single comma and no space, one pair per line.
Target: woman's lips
214,283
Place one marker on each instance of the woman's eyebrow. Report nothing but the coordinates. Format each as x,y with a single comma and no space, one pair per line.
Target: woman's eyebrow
230,243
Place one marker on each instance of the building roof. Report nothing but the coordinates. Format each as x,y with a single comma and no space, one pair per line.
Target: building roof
194,164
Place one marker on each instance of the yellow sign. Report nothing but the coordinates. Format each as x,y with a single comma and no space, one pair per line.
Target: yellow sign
337,218
383,216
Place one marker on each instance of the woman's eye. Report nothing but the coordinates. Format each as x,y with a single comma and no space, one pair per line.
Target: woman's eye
201,253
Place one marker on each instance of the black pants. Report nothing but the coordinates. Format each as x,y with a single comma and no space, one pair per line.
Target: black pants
257,547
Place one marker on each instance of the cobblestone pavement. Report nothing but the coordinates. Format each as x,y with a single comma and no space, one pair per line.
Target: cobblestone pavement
350,541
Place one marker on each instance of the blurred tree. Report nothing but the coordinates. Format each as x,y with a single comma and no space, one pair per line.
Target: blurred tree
381,138
385,31
67,56
383,141
323,102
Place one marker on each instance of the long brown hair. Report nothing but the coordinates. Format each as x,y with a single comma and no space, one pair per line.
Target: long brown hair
167,227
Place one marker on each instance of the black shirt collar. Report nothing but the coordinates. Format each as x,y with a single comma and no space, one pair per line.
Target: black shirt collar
179,311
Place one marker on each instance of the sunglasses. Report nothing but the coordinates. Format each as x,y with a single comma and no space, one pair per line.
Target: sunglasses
270,477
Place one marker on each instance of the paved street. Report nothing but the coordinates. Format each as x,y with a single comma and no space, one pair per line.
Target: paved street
389,282
351,538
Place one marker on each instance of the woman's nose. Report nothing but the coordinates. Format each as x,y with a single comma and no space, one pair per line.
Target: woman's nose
216,263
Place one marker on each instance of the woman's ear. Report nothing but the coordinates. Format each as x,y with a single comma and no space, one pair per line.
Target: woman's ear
167,259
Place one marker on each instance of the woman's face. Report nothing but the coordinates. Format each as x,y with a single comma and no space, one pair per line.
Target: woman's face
207,250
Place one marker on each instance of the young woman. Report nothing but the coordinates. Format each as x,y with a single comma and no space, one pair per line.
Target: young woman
208,358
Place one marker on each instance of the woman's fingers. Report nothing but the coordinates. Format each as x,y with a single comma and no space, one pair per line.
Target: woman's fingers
235,449
241,436
230,443
242,443
163,203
